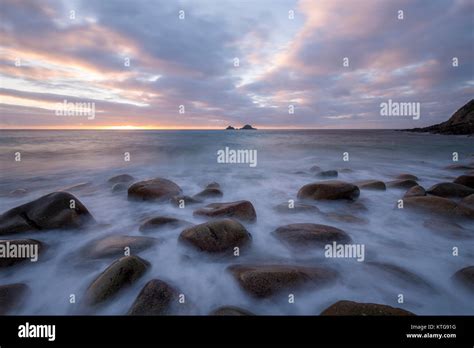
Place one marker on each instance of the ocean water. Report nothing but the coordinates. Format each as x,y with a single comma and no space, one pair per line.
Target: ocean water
53,160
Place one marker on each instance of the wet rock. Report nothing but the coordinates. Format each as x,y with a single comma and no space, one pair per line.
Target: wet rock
154,189
327,174
12,296
401,274
267,280
347,218
371,185
11,250
405,176
161,222
466,180
216,236
77,187
437,206
449,189
447,229
156,298
114,246
363,309
296,207
18,192
119,187
415,191
402,184
329,190
310,235
208,193
120,274
183,201
242,210
315,169
459,167
213,185
468,201
46,213
230,311
122,178
465,277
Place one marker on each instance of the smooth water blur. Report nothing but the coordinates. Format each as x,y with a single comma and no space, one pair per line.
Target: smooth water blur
53,160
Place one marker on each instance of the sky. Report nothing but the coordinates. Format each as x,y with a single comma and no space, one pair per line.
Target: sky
207,64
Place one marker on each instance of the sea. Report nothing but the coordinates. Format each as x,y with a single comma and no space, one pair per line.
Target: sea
44,161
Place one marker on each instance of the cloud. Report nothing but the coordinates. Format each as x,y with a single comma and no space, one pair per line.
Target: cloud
190,62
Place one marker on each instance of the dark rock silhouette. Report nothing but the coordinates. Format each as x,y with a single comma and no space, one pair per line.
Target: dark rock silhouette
247,127
230,128
461,122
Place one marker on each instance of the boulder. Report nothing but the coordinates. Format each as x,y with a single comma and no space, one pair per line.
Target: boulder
400,273
77,187
120,274
216,236
122,178
230,311
405,176
327,174
114,246
208,193
363,309
315,169
267,280
310,235
213,185
242,210
161,222
468,201
119,187
297,207
459,167
31,248
371,185
154,189
437,206
465,277
18,192
12,296
449,189
346,218
402,184
447,229
156,298
46,213
415,191
466,180
329,190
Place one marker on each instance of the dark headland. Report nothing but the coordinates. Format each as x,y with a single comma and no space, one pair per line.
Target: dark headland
246,127
460,123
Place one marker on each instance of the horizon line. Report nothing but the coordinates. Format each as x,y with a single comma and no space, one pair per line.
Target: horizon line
182,129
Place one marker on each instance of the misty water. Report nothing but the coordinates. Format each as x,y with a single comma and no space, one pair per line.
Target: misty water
53,160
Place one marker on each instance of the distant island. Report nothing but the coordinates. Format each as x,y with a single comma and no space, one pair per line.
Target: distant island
460,123
246,127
